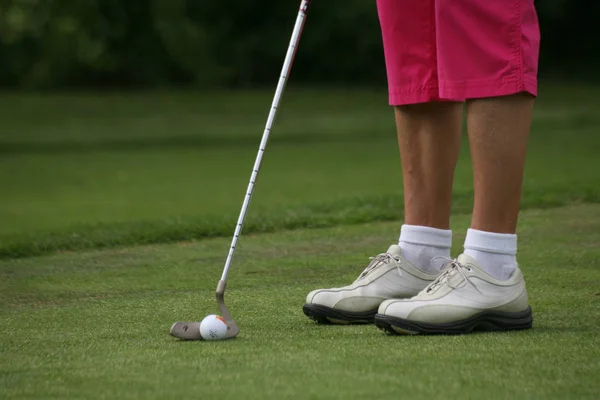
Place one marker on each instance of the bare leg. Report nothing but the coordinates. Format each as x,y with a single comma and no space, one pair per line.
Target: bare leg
429,139
498,132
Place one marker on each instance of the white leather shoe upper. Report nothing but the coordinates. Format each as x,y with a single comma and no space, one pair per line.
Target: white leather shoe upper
388,276
460,292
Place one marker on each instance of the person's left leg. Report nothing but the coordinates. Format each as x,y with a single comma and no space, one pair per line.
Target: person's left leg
498,132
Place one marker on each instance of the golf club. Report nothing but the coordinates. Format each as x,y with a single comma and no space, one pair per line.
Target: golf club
191,330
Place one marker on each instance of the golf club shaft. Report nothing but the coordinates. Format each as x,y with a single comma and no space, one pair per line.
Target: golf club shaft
285,72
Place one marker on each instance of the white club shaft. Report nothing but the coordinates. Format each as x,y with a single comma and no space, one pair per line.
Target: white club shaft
285,72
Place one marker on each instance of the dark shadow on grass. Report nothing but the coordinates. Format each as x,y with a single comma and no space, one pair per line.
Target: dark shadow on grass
350,211
184,142
562,329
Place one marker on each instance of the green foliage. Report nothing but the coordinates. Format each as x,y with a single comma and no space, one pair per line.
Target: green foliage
56,43
570,44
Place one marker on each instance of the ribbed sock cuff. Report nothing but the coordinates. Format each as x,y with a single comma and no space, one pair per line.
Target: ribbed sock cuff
426,236
498,243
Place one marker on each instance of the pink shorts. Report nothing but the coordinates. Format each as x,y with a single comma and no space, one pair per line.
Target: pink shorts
438,50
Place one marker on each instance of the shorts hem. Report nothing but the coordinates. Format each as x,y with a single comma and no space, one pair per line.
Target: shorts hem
405,95
487,88
460,91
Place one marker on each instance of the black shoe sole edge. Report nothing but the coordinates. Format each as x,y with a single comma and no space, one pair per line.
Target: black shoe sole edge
485,321
327,315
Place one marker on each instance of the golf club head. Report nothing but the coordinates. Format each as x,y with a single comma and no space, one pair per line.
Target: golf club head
186,330
191,330
232,328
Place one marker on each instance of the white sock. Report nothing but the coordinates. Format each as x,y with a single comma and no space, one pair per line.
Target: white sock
421,244
495,252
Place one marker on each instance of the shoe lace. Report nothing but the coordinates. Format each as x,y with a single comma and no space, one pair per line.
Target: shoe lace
378,260
444,278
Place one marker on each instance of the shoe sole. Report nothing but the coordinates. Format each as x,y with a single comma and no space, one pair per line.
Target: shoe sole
327,315
485,321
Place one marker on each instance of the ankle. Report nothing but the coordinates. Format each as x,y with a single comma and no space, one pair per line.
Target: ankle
495,252
424,247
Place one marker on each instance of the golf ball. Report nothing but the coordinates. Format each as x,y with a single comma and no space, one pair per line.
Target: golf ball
213,327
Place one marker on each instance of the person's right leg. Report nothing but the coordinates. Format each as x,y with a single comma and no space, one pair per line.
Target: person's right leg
429,133
429,130
429,139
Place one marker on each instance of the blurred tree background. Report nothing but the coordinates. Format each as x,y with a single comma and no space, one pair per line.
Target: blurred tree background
51,44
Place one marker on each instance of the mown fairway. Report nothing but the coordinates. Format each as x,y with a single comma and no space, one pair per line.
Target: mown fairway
116,213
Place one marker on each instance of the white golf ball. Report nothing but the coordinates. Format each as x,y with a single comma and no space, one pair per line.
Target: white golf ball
213,327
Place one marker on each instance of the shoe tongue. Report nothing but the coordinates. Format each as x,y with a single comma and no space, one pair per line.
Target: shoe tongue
467,260
395,250
472,263
464,259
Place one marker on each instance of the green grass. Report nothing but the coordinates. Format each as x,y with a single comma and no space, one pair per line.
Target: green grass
92,171
116,212
94,324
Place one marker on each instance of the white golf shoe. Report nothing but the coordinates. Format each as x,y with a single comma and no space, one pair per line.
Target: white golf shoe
462,299
388,276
